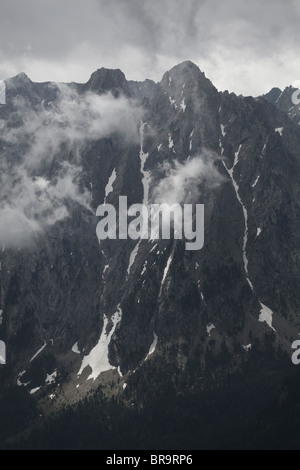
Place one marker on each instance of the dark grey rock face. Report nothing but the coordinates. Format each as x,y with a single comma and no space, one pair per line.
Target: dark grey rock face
104,80
287,101
142,90
203,307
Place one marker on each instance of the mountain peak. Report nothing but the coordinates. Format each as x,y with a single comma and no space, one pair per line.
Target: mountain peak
21,77
187,65
104,80
184,70
187,74
273,95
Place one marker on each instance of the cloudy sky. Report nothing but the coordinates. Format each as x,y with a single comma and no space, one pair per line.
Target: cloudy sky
245,47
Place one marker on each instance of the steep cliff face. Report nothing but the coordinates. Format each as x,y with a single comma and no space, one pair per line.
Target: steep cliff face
75,309
287,101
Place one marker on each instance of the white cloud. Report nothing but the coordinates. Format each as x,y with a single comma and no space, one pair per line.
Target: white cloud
182,181
16,229
29,202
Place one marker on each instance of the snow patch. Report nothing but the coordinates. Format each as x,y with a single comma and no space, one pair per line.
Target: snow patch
2,353
191,140
210,327
171,143
236,156
144,268
247,348
75,349
146,185
144,157
223,130
153,248
109,186
256,182
106,267
221,147
133,256
51,378
259,230
19,382
167,268
245,212
266,316
281,94
35,390
279,130
152,347
38,353
183,106
98,357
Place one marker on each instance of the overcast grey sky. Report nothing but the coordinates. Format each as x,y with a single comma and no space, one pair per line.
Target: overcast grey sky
244,46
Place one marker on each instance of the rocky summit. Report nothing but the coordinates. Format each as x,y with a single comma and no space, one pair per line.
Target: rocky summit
96,333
